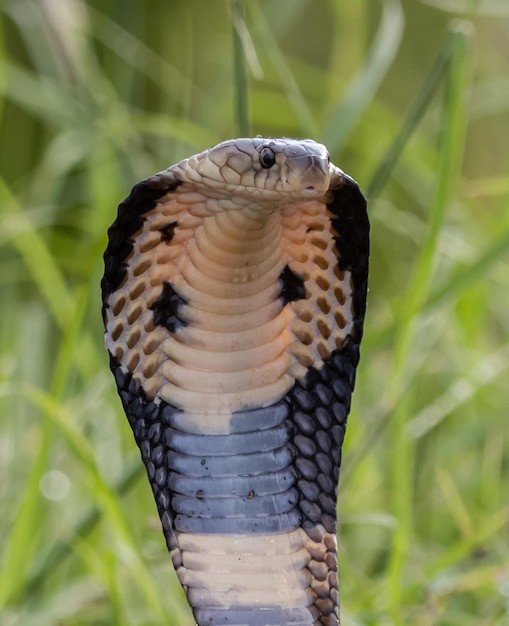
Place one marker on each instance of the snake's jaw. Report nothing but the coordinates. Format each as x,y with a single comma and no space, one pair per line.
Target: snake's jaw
233,298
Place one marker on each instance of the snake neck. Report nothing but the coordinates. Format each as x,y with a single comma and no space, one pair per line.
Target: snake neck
239,251
227,277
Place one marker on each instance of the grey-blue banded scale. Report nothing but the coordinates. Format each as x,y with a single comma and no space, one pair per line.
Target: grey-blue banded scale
234,296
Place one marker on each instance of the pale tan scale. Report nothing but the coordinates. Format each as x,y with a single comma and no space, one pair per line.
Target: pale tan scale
117,303
137,288
166,256
292,220
229,175
238,380
323,325
118,352
225,403
133,336
242,287
246,229
239,559
298,370
204,597
319,242
224,323
211,231
116,329
303,332
262,583
150,241
216,304
339,293
321,261
151,364
339,317
323,303
241,359
323,348
133,358
226,248
250,269
151,385
322,280
303,354
303,309
141,265
191,197
248,178
234,341
154,340
339,274
148,325
134,311
297,252
257,562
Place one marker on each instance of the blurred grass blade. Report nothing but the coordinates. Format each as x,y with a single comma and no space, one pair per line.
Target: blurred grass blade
141,57
22,541
390,158
455,504
241,84
365,84
489,526
105,496
41,265
459,392
51,284
468,276
3,69
63,549
307,123
37,257
450,156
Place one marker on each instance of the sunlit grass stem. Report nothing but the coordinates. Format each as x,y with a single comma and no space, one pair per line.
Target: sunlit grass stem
450,156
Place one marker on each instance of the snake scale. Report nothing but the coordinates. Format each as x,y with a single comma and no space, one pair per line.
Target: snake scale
234,296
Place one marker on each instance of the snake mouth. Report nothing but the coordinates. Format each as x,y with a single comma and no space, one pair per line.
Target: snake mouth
312,190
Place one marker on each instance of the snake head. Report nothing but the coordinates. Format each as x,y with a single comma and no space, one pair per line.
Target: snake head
261,169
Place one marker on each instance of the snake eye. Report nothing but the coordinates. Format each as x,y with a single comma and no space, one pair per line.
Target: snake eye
267,158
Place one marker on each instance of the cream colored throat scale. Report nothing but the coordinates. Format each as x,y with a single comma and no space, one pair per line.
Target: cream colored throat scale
234,296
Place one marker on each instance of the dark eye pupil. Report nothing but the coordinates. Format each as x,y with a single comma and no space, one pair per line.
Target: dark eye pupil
267,157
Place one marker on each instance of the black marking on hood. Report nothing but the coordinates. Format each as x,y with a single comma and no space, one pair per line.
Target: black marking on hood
350,222
292,286
166,309
130,217
168,231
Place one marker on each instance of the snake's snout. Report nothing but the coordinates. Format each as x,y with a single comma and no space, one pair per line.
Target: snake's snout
309,174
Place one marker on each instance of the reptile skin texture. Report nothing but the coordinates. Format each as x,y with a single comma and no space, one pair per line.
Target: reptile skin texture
234,296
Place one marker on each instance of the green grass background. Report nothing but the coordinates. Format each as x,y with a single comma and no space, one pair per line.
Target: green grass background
412,99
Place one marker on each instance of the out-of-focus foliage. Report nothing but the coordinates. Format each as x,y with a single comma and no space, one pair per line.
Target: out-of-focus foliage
412,98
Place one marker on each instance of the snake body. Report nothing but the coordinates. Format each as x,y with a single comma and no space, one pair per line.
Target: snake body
234,296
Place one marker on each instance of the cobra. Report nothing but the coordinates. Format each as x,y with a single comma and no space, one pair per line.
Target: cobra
234,296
